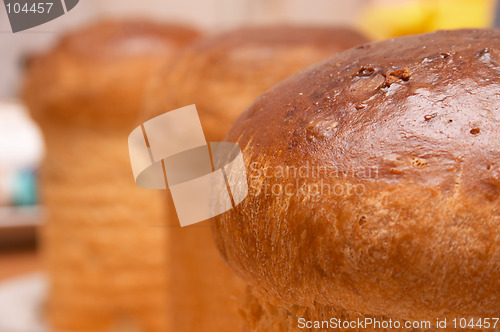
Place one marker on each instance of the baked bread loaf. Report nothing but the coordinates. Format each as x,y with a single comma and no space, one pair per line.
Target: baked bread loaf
105,259
222,75
374,186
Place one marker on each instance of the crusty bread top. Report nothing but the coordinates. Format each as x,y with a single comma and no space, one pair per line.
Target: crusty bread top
224,73
333,37
97,74
382,179
111,40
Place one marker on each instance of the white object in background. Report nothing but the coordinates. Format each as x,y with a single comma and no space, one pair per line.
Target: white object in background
21,150
21,304
21,143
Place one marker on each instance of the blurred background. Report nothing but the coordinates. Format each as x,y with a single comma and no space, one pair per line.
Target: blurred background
21,143
379,18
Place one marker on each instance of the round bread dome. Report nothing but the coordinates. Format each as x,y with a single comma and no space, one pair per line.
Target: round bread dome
223,74
374,182
97,74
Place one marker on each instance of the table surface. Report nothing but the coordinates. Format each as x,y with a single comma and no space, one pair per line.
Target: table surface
14,263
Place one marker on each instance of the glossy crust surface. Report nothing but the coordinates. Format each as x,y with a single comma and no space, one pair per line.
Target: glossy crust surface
402,138
224,73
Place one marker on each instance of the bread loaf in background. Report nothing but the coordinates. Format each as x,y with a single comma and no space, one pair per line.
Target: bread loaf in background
104,254
222,75
397,146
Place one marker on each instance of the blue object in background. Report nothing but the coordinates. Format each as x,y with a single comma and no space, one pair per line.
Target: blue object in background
25,188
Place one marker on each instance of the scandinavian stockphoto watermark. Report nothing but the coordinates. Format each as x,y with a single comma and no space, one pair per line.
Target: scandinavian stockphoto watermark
307,180
170,151
390,324
205,180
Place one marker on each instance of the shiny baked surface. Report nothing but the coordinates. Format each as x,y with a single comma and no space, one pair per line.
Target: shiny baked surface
421,240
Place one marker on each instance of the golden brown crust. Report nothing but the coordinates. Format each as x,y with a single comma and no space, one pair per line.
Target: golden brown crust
104,252
112,40
403,137
98,73
223,74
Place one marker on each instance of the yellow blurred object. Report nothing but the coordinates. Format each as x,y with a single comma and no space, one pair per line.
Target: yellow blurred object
386,19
